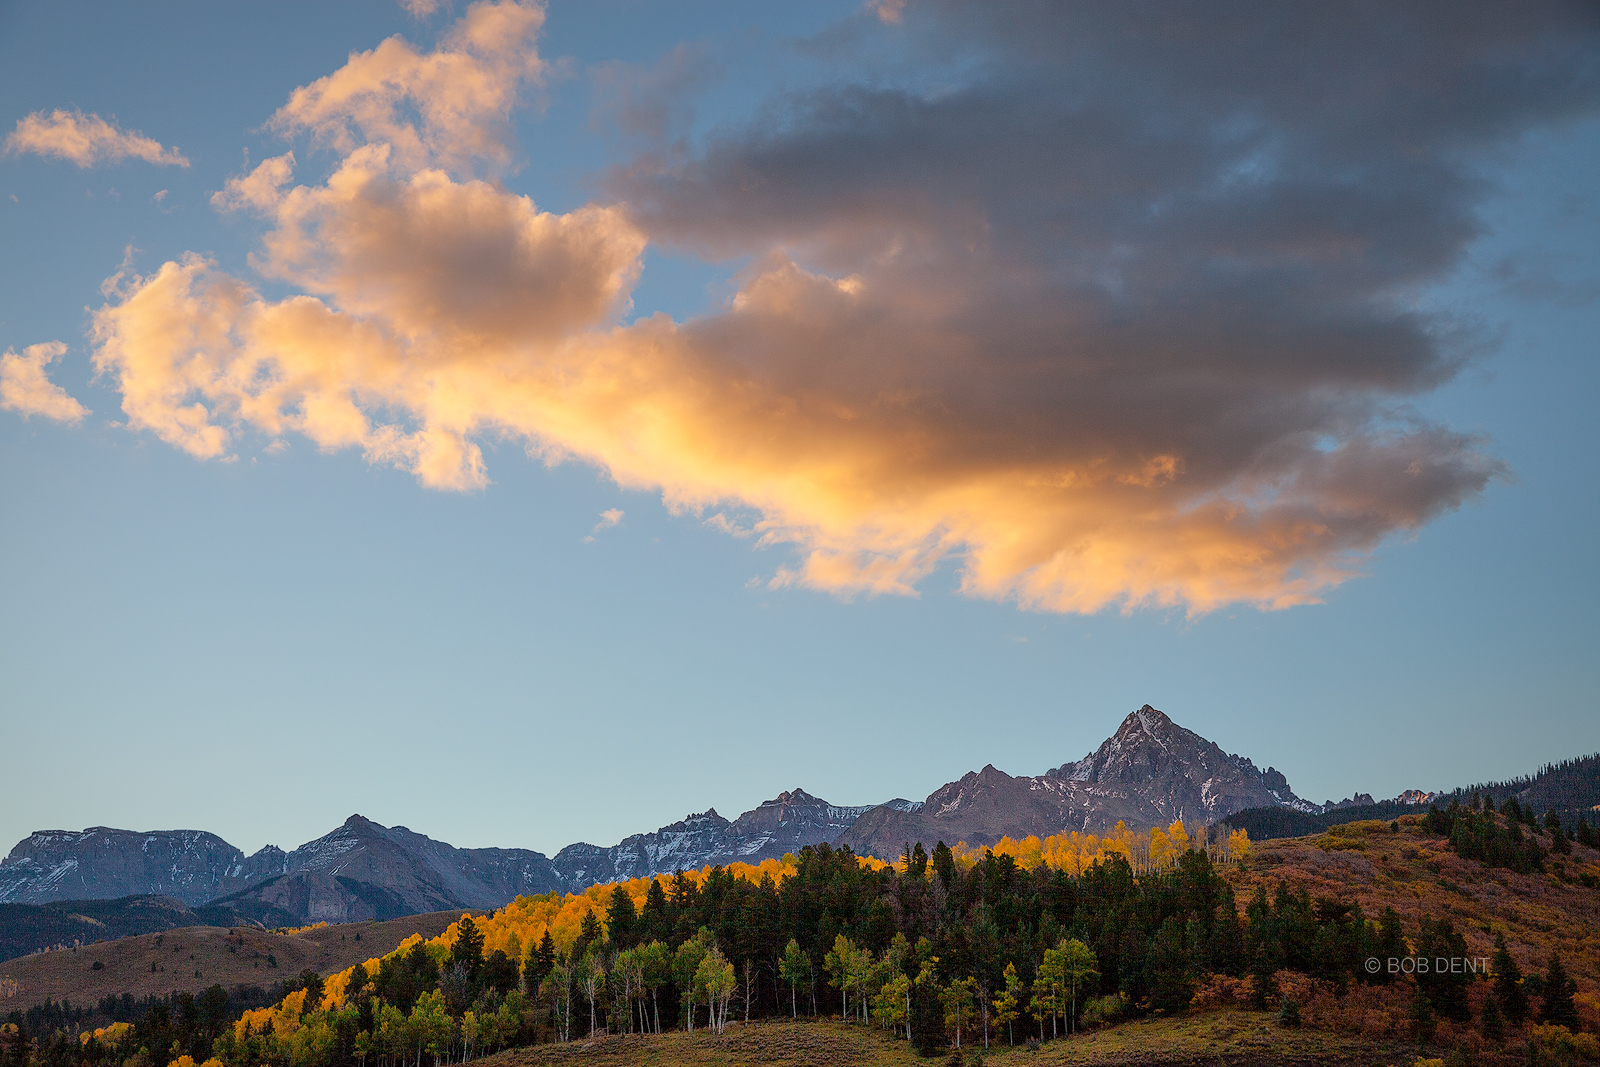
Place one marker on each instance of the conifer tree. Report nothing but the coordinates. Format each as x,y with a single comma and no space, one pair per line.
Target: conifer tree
944,863
1494,1026
468,948
621,918
1508,989
541,958
654,918
1556,1006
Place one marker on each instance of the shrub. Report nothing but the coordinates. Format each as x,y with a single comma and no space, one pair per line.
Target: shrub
1556,1046
1102,1011
1289,1014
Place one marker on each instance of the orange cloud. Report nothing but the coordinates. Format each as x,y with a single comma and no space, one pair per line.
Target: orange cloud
25,387
86,140
439,109
916,392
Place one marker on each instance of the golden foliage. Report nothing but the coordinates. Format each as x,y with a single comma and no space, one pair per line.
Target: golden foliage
108,1035
1073,852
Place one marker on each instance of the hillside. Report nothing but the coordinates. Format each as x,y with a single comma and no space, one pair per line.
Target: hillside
1571,788
191,958
1415,873
1238,1038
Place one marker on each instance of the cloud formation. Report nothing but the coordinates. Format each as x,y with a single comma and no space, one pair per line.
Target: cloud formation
1104,305
27,388
86,140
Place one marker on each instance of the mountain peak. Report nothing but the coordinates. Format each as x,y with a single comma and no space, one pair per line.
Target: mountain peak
1146,720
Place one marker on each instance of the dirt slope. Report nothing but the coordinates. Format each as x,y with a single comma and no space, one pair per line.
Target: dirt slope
194,957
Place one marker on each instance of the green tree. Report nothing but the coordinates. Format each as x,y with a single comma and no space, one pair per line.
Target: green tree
685,963
715,978
1556,1006
794,968
431,1026
1008,1004
894,1003
621,919
591,979
468,948
589,933
840,964
1492,1022
655,960
1508,983
655,918
541,958
944,864
957,999
1079,966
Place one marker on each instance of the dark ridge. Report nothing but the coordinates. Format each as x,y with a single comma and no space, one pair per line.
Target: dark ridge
1265,824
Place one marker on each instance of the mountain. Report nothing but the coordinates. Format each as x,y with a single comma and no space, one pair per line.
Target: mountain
1148,773
786,823
366,871
99,863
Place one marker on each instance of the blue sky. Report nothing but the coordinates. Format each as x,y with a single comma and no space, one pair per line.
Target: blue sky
261,642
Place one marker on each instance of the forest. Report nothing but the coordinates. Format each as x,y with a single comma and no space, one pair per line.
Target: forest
1022,942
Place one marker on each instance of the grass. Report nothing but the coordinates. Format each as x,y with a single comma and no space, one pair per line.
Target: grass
1235,1037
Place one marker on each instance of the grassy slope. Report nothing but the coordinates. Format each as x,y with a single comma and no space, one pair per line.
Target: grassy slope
220,957
1229,1036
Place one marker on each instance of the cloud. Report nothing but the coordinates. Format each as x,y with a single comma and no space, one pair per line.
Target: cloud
609,518
419,9
652,100
1099,306
86,140
25,387
444,108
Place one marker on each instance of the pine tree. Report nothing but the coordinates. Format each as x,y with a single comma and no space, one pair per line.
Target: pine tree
944,863
919,861
1508,983
541,958
1556,1005
588,934
468,948
655,919
1494,1026
621,918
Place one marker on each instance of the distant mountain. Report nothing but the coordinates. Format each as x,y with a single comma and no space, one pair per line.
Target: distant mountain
366,871
1150,772
100,863
786,823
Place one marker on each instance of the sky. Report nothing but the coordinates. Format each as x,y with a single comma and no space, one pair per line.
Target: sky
531,424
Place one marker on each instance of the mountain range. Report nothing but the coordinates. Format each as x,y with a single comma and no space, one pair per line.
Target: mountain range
1149,772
